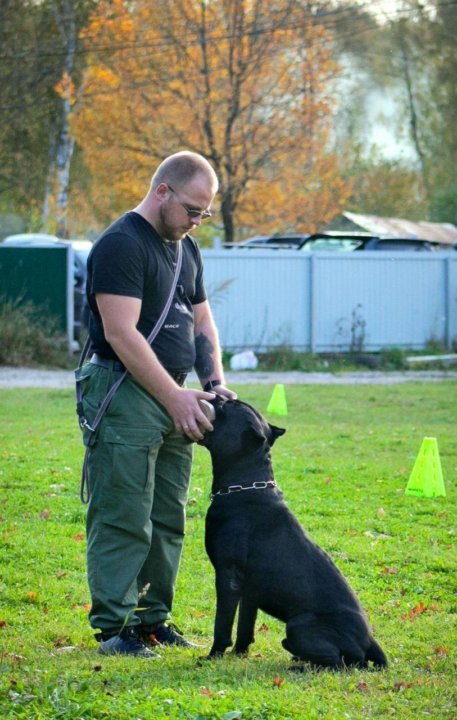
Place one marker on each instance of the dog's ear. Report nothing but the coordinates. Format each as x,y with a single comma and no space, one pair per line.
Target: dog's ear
275,432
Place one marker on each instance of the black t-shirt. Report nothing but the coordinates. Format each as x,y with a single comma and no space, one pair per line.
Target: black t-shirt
131,259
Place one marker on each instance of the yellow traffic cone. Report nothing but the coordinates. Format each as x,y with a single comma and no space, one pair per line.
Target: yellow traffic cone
426,479
278,402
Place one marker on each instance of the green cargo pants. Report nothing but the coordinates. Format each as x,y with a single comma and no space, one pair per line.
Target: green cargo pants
138,469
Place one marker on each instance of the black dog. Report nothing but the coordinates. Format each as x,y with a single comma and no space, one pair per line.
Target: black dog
263,558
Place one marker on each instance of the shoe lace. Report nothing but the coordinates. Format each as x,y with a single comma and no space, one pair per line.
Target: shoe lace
131,636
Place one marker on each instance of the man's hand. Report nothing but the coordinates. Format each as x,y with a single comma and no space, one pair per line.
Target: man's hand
225,392
186,412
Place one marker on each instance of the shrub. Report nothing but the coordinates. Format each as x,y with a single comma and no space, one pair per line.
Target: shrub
29,335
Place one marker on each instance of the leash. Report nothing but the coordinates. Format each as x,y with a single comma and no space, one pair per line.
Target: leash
92,427
258,485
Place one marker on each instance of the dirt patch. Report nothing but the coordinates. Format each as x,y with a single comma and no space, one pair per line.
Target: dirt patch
11,377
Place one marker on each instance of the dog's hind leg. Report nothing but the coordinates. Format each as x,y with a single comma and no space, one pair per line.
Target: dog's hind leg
376,654
228,591
246,623
309,646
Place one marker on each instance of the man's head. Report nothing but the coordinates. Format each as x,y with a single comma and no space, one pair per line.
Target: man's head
182,190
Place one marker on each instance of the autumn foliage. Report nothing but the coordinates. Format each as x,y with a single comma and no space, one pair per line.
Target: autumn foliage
244,82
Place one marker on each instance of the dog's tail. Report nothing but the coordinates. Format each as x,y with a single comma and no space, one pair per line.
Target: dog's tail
376,654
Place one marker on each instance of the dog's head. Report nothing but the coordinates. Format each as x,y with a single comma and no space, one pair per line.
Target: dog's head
239,430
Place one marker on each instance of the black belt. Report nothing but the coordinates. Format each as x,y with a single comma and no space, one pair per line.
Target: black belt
117,366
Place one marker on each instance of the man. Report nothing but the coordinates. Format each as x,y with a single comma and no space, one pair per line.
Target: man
140,456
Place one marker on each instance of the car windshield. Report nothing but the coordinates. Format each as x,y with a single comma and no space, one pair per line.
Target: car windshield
331,244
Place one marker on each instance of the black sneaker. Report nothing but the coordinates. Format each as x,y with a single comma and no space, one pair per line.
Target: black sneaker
128,642
163,634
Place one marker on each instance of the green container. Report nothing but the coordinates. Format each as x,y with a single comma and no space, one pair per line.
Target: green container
43,276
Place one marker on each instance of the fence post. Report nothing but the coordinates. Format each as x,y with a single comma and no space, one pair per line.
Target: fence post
312,302
447,302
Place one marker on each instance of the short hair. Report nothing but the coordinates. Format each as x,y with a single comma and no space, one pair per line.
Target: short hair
179,168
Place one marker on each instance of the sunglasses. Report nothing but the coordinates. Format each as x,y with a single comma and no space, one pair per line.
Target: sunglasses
192,212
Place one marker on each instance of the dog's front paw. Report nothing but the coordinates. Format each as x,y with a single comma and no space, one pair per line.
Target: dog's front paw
203,659
215,654
243,653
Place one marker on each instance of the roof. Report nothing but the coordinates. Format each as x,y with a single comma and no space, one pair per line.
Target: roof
445,233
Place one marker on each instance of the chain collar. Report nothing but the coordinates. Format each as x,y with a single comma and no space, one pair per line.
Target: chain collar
258,485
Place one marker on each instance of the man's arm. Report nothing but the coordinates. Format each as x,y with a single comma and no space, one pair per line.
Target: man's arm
120,316
208,361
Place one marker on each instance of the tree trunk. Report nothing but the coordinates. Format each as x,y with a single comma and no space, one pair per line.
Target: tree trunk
227,209
60,160
65,147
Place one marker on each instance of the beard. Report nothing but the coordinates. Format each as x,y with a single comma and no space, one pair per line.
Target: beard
169,230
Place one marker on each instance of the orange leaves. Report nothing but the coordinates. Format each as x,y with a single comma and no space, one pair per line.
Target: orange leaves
243,84
401,686
362,687
211,693
418,610
66,88
84,606
441,651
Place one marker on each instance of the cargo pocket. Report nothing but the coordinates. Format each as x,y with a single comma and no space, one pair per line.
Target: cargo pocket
129,451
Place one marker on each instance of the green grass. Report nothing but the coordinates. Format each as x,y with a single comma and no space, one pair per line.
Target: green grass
343,466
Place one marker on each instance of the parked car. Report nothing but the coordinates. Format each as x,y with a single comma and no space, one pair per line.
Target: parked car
342,242
292,241
349,242
81,251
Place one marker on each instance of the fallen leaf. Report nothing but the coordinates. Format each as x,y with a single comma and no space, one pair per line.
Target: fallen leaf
263,628
197,613
44,514
13,656
278,681
377,535
380,512
389,571
400,686
61,574
2,623
362,687
32,595
78,537
204,691
441,651
419,610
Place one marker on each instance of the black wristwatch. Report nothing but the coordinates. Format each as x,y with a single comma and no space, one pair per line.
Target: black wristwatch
211,384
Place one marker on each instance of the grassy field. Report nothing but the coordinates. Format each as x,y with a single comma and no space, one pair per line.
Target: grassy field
343,466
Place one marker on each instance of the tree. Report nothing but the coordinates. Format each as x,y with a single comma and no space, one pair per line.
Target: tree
411,53
39,52
241,81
